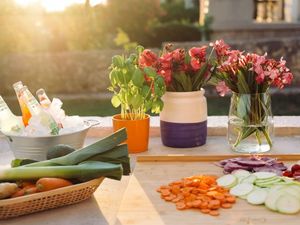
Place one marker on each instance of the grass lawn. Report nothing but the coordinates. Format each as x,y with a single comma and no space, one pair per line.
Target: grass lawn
281,105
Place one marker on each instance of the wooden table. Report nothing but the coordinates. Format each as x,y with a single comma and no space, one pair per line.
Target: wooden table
102,209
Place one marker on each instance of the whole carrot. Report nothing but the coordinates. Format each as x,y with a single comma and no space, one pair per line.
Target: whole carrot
47,184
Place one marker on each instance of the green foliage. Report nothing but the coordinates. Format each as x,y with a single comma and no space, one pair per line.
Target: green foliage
169,32
115,24
175,10
123,40
136,90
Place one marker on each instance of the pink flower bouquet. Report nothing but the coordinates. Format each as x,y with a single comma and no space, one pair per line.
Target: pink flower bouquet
182,71
249,76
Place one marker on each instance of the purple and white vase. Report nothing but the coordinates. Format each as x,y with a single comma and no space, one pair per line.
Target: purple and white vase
183,120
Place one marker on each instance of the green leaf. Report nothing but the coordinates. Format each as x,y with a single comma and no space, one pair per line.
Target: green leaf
118,61
157,106
145,91
137,101
150,72
138,78
115,101
113,76
200,77
139,49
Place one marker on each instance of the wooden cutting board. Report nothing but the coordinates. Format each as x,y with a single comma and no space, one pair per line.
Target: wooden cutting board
142,205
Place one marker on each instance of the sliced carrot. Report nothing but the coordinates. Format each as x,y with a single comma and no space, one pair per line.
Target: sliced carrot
180,206
226,205
214,213
231,199
205,210
201,192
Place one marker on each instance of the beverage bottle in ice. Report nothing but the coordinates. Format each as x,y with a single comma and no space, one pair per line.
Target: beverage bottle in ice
24,109
9,123
43,98
53,108
36,110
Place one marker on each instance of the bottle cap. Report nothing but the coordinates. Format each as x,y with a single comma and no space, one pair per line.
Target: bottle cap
18,85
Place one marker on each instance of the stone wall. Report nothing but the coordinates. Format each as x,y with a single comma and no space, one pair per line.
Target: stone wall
66,72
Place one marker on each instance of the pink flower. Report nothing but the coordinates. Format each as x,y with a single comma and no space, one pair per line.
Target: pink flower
222,88
195,64
167,75
221,48
165,61
178,55
147,58
198,53
287,78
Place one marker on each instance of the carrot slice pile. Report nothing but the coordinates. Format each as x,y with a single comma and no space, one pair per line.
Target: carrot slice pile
200,192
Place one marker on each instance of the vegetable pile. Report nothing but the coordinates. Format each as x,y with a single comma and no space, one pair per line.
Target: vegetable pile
253,164
277,193
294,172
104,158
200,192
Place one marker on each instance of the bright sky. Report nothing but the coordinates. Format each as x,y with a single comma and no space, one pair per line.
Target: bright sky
56,5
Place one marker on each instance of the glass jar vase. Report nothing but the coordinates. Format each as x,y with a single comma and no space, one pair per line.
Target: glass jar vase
250,123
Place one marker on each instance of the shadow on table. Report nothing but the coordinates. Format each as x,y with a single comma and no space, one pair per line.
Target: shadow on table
83,213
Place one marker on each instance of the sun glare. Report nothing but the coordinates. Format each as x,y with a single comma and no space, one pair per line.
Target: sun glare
55,5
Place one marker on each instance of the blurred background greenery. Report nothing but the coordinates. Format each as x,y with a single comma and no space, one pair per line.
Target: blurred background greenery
31,28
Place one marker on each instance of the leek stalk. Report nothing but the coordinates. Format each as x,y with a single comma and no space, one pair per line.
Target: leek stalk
85,171
81,155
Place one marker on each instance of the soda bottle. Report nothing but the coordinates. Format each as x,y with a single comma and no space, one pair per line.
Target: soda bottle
9,123
53,108
24,109
36,110
43,98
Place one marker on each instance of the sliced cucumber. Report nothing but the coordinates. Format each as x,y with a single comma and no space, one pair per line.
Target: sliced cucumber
227,181
264,175
271,199
250,179
257,196
287,204
241,189
293,192
268,180
241,173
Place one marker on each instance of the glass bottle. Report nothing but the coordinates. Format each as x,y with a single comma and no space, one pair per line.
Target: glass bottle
24,109
55,110
9,123
36,110
43,98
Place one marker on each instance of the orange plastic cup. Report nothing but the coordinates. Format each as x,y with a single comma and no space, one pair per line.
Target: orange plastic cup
137,132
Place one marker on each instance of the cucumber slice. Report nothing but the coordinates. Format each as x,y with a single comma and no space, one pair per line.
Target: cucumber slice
241,189
264,175
287,204
257,197
243,197
292,192
227,181
269,179
271,199
269,183
250,179
241,173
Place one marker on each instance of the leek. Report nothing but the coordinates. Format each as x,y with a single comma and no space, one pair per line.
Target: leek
103,158
81,155
84,171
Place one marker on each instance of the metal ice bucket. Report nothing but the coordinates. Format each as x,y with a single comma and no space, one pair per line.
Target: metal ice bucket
36,148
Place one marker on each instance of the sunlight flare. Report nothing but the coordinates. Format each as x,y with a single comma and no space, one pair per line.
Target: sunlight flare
56,5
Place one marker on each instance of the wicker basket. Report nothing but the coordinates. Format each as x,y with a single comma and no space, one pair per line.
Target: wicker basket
48,200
